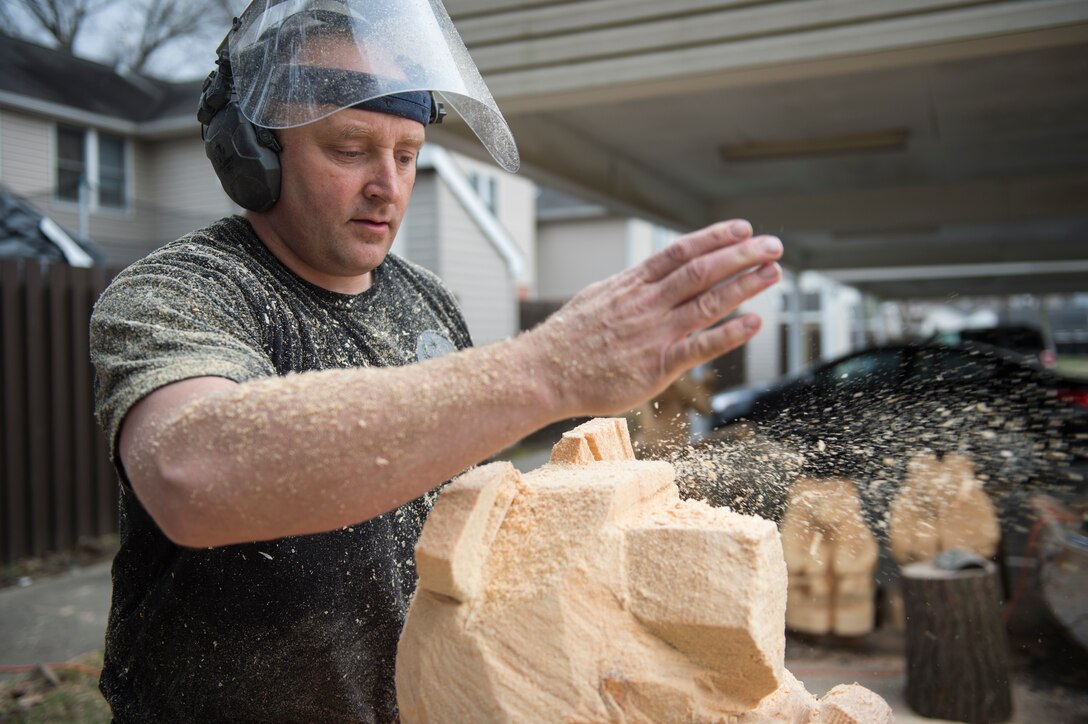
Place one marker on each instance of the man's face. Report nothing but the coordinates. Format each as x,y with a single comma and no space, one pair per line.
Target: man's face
346,182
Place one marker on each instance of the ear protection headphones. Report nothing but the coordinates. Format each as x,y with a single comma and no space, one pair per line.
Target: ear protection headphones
246,156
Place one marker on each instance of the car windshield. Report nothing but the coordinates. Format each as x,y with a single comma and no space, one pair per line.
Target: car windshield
864,369
954,366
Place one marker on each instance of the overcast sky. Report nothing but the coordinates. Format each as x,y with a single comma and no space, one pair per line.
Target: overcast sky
186,59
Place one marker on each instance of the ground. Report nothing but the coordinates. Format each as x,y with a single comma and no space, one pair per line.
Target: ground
89,551
64,694
1048,675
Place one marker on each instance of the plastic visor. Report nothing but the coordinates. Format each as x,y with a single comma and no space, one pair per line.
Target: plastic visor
298,61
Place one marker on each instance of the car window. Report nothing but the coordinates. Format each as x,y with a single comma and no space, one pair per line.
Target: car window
863,370
954,366
1018,339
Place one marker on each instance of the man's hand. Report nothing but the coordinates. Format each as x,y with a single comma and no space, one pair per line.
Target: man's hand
625,339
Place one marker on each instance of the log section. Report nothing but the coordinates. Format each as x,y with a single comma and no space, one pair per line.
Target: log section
957,648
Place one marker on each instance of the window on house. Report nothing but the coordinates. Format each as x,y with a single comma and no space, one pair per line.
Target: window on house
487,189
71,156
111,170
93,158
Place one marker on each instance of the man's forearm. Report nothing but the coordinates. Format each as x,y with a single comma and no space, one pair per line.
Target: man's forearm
317,451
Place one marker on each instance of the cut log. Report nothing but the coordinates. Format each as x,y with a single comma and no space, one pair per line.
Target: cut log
956,645
600,439
451,554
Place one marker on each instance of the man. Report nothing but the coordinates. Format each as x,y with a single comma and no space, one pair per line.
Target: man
271,389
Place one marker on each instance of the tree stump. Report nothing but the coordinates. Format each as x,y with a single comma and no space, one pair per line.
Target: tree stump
956,645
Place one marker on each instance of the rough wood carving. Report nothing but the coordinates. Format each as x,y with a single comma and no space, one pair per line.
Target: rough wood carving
587,591
941,506
831,556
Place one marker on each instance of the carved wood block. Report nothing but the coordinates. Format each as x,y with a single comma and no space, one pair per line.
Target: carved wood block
587,592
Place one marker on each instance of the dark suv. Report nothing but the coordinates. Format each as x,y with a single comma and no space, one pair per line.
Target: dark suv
1019,339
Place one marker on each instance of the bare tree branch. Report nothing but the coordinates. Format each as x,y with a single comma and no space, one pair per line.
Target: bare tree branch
61,19
7,21
164,22
139,28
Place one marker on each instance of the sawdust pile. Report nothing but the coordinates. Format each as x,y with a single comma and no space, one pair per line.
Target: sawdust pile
587,590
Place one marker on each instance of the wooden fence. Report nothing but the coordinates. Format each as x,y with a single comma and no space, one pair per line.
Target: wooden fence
56,482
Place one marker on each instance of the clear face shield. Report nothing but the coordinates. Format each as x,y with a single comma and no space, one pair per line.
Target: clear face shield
298,61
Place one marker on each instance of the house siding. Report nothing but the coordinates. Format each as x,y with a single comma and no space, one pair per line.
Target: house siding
640,241
25,141
171,187
574,254
763,352
418,238
476,273
183,188
515,210
439,234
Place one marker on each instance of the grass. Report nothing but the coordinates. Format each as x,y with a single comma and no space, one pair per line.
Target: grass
1073,365
72,696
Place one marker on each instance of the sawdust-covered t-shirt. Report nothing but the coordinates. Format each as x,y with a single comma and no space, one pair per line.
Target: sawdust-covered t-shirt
297,629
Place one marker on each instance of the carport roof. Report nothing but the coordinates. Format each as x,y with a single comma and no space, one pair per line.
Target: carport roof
931,148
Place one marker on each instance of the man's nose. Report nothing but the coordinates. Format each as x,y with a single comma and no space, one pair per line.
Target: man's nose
382,180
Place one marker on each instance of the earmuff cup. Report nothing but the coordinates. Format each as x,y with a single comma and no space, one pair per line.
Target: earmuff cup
245,159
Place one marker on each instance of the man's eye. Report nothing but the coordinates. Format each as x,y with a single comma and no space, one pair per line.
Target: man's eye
351,154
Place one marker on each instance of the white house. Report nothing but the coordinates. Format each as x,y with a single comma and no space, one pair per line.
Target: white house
120,160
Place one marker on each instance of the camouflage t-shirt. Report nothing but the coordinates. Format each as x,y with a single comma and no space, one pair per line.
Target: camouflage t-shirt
297,629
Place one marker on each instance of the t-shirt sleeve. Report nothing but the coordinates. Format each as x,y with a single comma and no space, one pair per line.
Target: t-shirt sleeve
165,320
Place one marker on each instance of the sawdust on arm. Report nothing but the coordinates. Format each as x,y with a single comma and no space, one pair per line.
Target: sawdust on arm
216,462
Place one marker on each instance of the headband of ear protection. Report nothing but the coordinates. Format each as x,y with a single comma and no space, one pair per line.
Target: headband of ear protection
245,156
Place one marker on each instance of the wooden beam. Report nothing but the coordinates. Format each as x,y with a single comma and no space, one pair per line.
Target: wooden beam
483,22
979,31
893,250
975,287
580,39
987,201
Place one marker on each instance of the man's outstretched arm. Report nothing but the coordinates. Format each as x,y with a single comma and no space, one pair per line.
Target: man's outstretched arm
216,462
